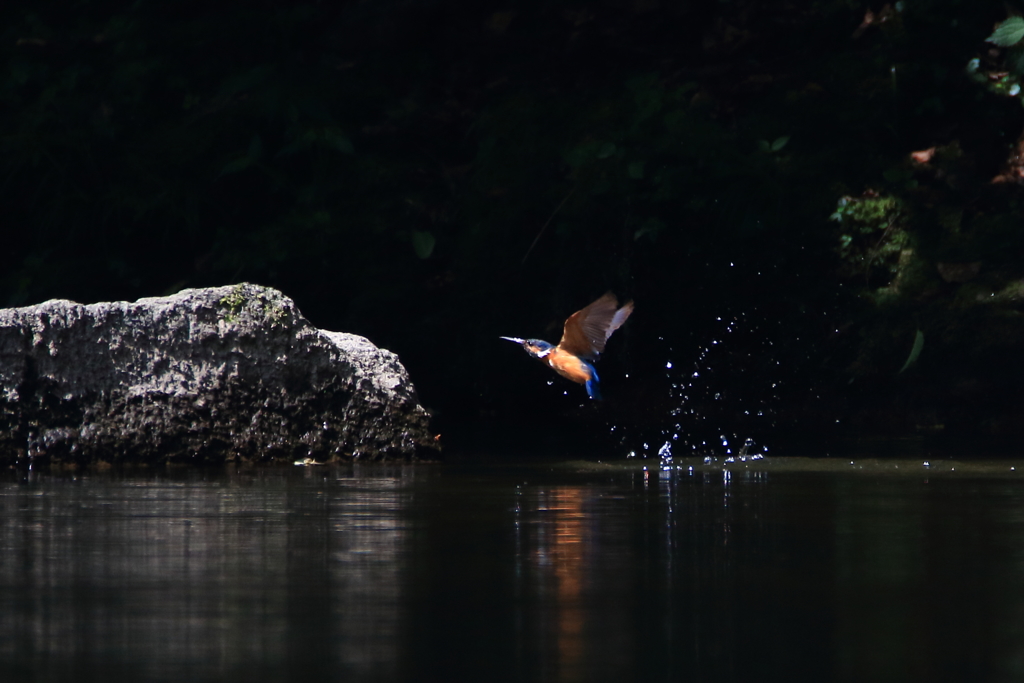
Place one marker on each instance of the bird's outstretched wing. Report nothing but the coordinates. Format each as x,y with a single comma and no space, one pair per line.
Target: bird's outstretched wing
587,330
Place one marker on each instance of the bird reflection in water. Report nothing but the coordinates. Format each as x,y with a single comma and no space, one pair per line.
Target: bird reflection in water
555,557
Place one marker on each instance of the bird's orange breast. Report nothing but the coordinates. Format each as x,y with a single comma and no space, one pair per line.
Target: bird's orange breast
569,366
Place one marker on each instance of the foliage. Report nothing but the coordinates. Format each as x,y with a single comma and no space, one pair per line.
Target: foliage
872,237
432,175
1009,33
915,351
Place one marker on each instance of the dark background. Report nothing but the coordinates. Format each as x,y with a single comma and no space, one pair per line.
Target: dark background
433,175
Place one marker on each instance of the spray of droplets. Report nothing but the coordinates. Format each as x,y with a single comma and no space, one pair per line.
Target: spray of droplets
721,401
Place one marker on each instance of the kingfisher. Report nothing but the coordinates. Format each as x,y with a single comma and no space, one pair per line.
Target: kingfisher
583,339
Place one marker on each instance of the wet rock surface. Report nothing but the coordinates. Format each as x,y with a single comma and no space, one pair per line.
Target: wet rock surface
204,376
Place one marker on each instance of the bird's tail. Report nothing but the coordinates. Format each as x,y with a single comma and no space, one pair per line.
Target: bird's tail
593,384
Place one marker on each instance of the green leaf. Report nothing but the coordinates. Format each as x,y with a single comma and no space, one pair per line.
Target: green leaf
647,96
295,146
780,143
423,243
587,152
329,137
606,150
235,166
337,140
252,155
255,148
237,83
1015,60
1008,33
915,351
580,155
635,170
651,228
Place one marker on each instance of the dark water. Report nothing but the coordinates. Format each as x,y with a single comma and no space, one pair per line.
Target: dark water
798,570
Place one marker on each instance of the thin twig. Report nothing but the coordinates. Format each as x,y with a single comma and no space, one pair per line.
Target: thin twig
547,223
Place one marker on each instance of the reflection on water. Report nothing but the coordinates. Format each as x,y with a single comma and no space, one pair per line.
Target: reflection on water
499,573
557,541
241,576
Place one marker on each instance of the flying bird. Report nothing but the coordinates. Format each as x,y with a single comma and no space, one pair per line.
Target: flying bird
583,339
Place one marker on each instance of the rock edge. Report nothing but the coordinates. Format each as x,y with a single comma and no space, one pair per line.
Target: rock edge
203,376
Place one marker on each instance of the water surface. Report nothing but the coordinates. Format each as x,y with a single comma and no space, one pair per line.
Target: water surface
764,570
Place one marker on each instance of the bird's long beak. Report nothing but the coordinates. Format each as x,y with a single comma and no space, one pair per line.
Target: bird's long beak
517,340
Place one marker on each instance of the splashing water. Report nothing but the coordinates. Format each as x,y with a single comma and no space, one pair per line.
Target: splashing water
720,398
